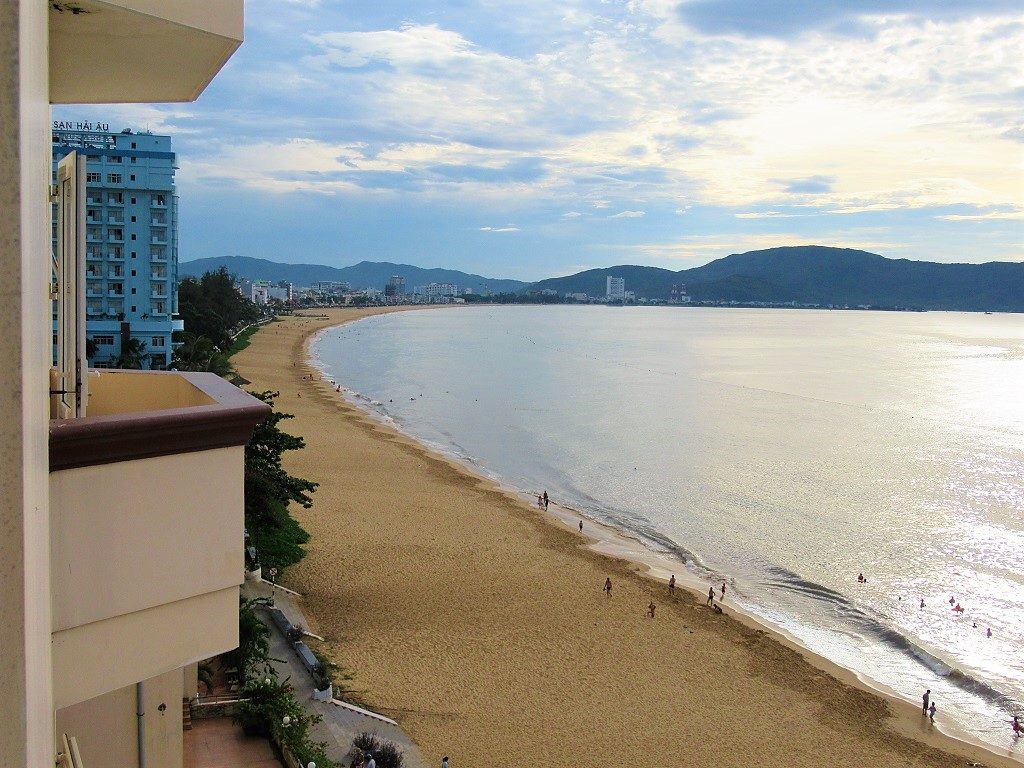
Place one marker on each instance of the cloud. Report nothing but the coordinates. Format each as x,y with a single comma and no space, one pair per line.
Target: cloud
768,215
788,18
1008,215
627,215
812,185
499,229
571,215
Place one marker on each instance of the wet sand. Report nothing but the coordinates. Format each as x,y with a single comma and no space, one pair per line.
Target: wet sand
479,623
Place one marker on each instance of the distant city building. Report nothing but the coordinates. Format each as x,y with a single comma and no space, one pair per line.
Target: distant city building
615,289
131,241
678,295
263,291
437,290
577,296
629,295
395,289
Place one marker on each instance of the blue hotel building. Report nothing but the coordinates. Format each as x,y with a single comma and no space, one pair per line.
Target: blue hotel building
131,239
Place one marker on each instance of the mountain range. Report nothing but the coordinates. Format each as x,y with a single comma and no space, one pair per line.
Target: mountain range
809,274
365,274
813,274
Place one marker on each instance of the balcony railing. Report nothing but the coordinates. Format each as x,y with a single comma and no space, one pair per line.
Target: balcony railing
124,578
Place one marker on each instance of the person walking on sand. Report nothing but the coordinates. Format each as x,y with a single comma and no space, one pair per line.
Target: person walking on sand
672,584
444,762
545,499
581,526
931,712
924,701
711,596
650,609
608,586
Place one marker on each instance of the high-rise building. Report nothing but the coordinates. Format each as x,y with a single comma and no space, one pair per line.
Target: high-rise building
105,477
615,289
395,289
131,236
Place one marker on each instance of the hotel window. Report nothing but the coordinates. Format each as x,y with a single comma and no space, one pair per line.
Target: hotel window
133,201
115,198
133,159
133,307
113,178
133,271
133,290
133,145
113,159
132,177
159,200
104,341
158,341
115,234
93,178
133,237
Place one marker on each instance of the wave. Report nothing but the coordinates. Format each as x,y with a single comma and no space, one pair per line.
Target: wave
875,628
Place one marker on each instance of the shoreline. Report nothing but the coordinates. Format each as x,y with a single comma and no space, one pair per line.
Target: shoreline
899,719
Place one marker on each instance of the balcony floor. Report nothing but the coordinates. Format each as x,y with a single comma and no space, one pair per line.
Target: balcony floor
219,743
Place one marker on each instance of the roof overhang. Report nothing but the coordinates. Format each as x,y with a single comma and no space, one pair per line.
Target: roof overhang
117,51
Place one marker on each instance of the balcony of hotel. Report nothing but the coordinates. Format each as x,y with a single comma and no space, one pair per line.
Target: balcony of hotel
158,237
158,256
145,570
115,218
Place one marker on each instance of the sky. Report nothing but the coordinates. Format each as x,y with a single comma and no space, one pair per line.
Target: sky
535,138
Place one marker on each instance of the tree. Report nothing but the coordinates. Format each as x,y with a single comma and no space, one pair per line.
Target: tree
199,353
211,306
133,354
269,489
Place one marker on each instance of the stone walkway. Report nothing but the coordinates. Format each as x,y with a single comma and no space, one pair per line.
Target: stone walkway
219,743
339,726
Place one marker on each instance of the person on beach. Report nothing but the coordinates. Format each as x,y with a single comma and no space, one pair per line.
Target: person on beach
711,596
922,602
444,762
545,499
650,609
952,600
540,501
924,701
931,712
723,591
1018,729
988,632
608,586
672,584
581,526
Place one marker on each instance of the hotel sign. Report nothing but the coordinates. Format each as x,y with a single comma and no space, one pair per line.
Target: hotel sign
67,125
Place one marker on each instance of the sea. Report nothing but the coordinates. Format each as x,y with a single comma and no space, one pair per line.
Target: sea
784,452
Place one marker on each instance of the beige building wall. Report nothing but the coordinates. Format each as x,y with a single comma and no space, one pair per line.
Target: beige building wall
107,727
132,535
26,736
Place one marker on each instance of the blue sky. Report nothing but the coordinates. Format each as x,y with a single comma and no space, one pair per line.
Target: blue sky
520,138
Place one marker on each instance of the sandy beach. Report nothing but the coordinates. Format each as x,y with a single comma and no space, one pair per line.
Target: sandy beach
479,623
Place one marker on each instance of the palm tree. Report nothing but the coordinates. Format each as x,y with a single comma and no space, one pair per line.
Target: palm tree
133,354
198,353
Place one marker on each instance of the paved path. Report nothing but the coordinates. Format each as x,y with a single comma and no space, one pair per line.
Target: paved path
219,743
339,726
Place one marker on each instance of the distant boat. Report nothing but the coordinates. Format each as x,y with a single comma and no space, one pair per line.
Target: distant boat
988,313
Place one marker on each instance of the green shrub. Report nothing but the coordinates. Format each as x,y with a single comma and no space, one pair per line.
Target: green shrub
386,753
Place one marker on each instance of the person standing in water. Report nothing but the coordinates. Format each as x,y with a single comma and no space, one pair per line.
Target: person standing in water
723,590
931,712
924,701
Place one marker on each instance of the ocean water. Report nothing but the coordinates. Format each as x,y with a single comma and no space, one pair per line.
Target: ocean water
783,451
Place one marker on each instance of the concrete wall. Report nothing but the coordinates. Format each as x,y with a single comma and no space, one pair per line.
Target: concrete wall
136,534
144,570
106,726
112,392
26,735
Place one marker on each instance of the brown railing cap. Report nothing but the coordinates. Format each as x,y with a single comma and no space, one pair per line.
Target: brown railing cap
228,421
